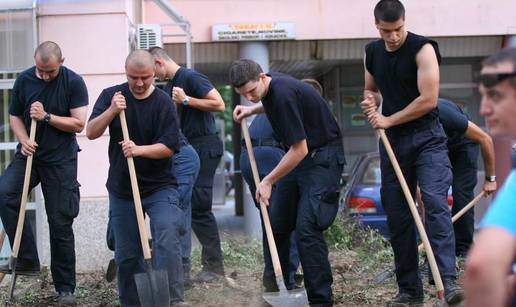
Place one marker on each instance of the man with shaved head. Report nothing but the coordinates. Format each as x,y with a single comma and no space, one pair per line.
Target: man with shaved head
154,129
57,99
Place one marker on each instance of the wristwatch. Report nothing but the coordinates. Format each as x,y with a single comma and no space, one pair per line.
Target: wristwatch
491,178
46,119
186,101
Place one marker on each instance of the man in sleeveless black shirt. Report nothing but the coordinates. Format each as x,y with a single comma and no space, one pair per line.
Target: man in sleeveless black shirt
402,73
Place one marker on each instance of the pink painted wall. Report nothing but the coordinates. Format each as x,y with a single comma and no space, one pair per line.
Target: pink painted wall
93,36
340,19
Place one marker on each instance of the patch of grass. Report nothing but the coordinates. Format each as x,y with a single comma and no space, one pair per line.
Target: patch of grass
243,253
371,247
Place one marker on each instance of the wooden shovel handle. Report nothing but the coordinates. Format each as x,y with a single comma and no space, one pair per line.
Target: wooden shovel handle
421,229
25,192
462,211
136,193
263,208
2,238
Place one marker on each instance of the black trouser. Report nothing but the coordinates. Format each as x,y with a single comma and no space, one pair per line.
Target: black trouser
61,192
464,165
267,157
307,203
204,225
423,158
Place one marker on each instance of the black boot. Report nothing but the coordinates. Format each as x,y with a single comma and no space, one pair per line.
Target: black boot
452,293
405,300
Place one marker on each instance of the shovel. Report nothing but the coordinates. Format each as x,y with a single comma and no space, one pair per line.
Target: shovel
21,215
2,238
421,229
462,211
152,286
283,298
387,274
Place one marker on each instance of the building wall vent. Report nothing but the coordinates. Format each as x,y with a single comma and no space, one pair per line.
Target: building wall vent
148,36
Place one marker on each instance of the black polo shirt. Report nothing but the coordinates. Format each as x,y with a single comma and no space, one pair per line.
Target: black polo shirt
194,122
150,121
297,112
395,75
455,124
66,91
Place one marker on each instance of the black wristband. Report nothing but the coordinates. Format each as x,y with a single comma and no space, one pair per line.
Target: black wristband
46,119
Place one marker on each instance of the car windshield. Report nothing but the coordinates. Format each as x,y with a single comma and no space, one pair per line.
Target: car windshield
372,174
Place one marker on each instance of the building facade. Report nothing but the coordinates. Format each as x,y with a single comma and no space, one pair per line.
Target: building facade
322,39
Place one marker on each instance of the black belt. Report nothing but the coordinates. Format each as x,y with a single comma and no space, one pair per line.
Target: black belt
264,142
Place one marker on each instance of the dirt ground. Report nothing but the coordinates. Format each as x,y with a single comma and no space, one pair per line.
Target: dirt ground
359,258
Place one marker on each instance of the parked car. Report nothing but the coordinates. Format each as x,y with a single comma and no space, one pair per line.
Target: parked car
360,198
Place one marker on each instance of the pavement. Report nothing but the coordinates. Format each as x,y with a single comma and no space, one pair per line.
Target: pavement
229,224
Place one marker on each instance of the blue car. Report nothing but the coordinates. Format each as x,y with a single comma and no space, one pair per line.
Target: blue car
361,199
361,196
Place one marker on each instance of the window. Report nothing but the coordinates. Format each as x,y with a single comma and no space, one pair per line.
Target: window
17,37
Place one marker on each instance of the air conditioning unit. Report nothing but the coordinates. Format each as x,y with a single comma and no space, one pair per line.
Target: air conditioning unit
148,36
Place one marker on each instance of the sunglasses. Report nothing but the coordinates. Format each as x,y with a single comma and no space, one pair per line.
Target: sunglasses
490,80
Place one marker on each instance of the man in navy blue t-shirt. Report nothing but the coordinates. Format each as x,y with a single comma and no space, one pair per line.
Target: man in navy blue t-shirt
402,73
154,130
312,167
57,99
464,140
196,99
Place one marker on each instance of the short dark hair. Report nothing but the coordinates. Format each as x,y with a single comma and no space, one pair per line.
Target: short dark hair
506,55
389,11
503,55
159,53
48,49
243,71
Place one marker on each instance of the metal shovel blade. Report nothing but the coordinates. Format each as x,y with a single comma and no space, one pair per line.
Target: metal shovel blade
152,287
13,261
287,298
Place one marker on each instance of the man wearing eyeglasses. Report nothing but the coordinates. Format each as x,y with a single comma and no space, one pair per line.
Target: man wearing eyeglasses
489,280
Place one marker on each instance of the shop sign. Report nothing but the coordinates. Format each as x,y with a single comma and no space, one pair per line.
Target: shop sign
253,31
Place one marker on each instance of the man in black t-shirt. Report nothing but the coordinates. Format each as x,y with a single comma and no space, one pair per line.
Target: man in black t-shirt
268,151
464,140
402,68
312,167
154,130
57,99
196,99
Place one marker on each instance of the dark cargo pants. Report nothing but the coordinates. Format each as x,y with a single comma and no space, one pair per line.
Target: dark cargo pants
204,224
423,158
61,191
314,185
